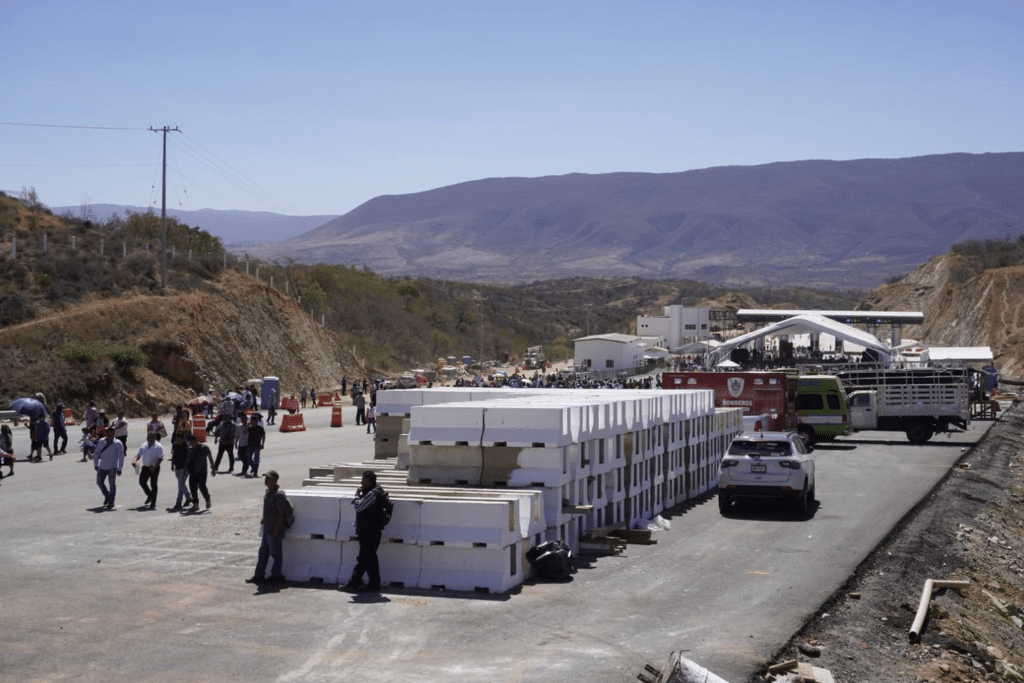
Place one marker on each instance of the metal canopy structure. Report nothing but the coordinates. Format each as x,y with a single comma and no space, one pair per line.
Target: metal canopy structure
762,316
806,323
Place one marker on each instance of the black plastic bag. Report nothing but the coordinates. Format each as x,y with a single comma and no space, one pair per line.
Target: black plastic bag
552,560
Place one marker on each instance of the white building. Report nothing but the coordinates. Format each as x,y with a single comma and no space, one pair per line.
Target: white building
610,353
679,325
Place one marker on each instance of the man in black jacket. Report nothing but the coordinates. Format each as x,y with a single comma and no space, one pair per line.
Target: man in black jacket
369,528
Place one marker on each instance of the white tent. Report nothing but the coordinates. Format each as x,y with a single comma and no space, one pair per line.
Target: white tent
805,324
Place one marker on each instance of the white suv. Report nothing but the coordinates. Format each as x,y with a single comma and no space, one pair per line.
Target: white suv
767,465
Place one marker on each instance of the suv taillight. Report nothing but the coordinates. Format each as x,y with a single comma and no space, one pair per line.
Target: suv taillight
791,464
730,463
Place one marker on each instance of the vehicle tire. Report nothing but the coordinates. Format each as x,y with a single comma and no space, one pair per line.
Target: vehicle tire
919,432
801,505
809,437
812,495
724,503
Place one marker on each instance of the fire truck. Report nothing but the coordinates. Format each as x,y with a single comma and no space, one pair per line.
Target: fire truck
771,394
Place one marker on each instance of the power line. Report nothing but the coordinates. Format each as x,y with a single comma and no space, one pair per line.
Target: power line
57,125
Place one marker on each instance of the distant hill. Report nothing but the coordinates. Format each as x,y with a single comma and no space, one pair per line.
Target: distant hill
848,224
236,229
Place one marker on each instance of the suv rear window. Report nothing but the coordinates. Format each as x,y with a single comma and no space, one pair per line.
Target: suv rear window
760,448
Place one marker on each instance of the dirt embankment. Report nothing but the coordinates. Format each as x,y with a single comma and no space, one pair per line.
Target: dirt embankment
984,310
229,331
969,528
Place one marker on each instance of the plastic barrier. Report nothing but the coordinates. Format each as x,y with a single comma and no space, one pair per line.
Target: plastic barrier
324,399
69,418
199,428
290,404
292,423
336,419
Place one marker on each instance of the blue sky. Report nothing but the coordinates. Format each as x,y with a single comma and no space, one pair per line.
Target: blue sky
314,107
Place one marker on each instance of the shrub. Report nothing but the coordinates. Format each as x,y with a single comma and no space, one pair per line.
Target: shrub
15,307
80,352
126,357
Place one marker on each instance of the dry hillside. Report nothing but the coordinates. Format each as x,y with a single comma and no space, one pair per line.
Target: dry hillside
986,309
229,330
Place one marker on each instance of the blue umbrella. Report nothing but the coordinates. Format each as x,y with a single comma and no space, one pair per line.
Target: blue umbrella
29,407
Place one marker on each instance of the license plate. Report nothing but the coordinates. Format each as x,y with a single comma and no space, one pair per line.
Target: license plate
758,468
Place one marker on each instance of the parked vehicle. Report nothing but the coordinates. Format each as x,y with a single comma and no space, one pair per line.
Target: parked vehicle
767,465
917,401
758,393
822,410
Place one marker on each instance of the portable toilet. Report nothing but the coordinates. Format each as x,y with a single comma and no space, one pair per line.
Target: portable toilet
467,360
270,384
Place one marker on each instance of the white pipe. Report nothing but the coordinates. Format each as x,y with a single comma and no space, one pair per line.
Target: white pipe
926,597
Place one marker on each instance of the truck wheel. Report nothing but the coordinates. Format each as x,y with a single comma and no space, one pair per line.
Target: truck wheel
809,436
919,432
724,503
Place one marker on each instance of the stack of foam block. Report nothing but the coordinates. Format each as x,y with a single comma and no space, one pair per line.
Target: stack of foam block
551,463
452,538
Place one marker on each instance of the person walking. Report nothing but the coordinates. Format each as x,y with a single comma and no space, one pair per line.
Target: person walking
257,440
41,438
179,450
150,455
120,426
359,401
196,460
312,396
242,443
108,461
272,528
91,415
371,420
272,407
60,430
225,436
156,426
369,528
302,395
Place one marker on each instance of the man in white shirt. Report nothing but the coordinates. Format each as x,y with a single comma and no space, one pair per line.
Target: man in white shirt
150,455
120,426
108,460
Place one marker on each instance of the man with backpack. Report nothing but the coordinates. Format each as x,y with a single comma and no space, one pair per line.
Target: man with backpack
277,516
373,512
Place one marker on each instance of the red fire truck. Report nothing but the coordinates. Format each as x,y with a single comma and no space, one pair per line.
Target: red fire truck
757,393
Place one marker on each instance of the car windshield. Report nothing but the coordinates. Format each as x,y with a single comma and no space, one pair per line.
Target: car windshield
760,448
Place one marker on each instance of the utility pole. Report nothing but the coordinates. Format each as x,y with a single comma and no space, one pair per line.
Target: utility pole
163,209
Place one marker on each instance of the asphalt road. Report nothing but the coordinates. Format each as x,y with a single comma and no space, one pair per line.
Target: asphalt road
132,595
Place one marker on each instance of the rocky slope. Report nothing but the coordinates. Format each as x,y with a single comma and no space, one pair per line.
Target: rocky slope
984,310
230,330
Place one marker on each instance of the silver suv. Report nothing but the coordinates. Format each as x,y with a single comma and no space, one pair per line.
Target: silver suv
767,465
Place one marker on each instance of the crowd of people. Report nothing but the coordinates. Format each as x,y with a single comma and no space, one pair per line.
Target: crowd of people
237,432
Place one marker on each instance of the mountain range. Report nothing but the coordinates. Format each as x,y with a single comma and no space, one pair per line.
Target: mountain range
830,224
236,229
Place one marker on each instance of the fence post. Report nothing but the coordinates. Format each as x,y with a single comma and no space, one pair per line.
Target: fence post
101,246
189,254
124,249
14,246
73,243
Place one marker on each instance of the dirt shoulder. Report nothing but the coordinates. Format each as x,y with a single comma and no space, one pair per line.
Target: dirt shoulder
969,528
